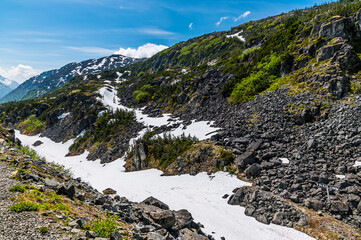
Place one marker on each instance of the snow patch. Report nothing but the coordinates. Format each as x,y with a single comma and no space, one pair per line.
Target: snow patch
64,115
357,163
237,35
200,194
285,160
201,130
340,176
81,133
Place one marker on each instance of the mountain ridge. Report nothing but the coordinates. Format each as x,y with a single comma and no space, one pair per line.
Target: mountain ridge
6,86
52,79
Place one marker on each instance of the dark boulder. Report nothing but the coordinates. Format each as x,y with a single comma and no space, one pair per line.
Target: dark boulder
253,171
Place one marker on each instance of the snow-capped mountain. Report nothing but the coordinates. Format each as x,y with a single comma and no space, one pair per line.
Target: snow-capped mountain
6,86
50,80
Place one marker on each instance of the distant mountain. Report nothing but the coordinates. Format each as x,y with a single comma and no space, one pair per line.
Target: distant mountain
50,80
6,86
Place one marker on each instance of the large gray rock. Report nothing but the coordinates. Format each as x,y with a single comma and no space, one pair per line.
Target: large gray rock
187,234
164,218
67,189
245,159
115,236
253,171
278,218
51,182
263,219
155,202
238,197
184,219
109,191
155,236
314,204
338,206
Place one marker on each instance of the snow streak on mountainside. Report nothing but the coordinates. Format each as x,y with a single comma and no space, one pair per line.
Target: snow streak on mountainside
50,80
6,86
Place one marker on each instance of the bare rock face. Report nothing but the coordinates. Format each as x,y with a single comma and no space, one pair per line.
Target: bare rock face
140,155
335,27
329,51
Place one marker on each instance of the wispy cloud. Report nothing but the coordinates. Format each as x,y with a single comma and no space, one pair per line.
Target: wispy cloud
125,7
36,40
243,15
155,31
221,20
190,26
19,73
37,33
7,50
92,50
145,51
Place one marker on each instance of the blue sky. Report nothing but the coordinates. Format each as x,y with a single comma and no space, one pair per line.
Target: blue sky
39,35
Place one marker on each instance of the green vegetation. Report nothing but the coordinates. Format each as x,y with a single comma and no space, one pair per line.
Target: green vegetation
167,148
43,230
103,227
107,126
144,94
226,155
24,206
28,151
32,124
21,188
34,200
265,73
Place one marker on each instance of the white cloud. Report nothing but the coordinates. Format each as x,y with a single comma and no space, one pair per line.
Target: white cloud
125,8
244,15
93,50
145,51
155,31
19,73
190,26
221,20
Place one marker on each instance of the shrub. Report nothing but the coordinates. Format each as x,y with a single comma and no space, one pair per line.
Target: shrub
227,155
104,227
43,230
167,148
140,96
263,76
32,124
24,206
28,151
17,188
107,126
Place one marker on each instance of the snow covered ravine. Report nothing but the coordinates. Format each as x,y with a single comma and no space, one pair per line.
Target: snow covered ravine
200,194
201,129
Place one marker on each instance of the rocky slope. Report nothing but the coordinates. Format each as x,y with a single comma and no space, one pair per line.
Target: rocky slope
67,208
6,86
50,80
